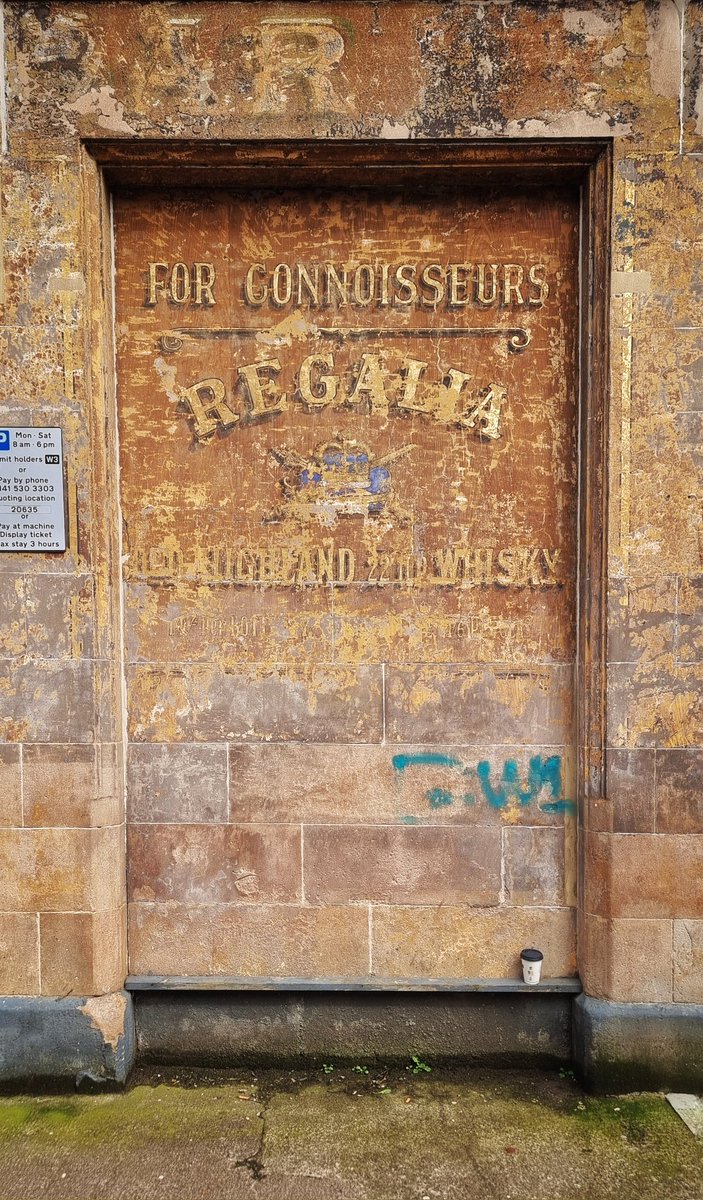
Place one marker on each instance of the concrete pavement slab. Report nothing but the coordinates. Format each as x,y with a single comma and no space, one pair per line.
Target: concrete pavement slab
347,1133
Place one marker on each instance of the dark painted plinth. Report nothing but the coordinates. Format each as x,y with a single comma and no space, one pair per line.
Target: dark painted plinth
46,1041
218,1029
616,1047
638,1047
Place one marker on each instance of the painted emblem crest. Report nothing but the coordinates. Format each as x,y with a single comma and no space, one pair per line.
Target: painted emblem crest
341,478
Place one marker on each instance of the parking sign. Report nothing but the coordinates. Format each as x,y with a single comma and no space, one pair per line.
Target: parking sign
32,516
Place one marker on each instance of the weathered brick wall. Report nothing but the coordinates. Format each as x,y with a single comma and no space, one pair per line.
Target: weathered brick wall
631,72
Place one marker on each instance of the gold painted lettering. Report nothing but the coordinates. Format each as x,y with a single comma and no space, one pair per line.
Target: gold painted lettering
322,564
521,566
259,389
456,381
505,562
325,563
433,277
384,300
289,566
208,407
255,297
346,565
487,413
429,285
458,285
224,561
370,383
384,561
305,572
448,562
179,286
404,276
324,389
533,568
403,569
340,283
158,561
364,282
208,562
413,371
156,284
537,277
312,284
269,568
482,297
510,286
281,285
478,565
203,282
519,561
296,59
551,559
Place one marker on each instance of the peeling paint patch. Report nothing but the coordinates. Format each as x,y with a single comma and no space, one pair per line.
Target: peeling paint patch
107,1015
104,106
3,83
72,282
580,123
631,283
394,130
588,23
663,49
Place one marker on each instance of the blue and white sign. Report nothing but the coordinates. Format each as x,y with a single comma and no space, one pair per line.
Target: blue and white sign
32,511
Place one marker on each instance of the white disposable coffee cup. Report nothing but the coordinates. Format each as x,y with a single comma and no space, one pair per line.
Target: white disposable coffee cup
531,960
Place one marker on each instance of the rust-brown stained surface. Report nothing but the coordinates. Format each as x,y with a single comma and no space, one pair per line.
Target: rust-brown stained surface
349,486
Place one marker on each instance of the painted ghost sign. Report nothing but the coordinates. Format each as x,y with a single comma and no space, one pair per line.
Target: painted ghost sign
348,456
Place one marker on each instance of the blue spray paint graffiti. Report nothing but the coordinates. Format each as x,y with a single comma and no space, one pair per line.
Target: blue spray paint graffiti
439,798
543,773
543,784
402,761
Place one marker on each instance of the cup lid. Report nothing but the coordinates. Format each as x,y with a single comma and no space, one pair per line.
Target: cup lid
531,955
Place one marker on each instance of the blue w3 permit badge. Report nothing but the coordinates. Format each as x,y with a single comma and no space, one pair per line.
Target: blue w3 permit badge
4,439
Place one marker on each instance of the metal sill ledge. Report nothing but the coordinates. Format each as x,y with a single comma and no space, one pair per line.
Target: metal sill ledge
234,983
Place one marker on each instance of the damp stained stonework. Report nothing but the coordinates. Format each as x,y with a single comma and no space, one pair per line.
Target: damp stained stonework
348,473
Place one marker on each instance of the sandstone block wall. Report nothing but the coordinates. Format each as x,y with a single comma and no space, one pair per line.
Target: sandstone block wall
630,72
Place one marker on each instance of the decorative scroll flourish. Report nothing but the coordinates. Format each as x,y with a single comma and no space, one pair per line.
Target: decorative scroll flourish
518,337
169,343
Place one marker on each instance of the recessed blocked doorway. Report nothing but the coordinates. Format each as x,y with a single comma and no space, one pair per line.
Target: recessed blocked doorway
348,427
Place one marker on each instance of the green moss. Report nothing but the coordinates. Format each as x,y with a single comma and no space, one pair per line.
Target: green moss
141,1114
493,1123
13,1116
609,1115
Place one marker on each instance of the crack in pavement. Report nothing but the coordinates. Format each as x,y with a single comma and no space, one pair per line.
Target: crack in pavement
254,1163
